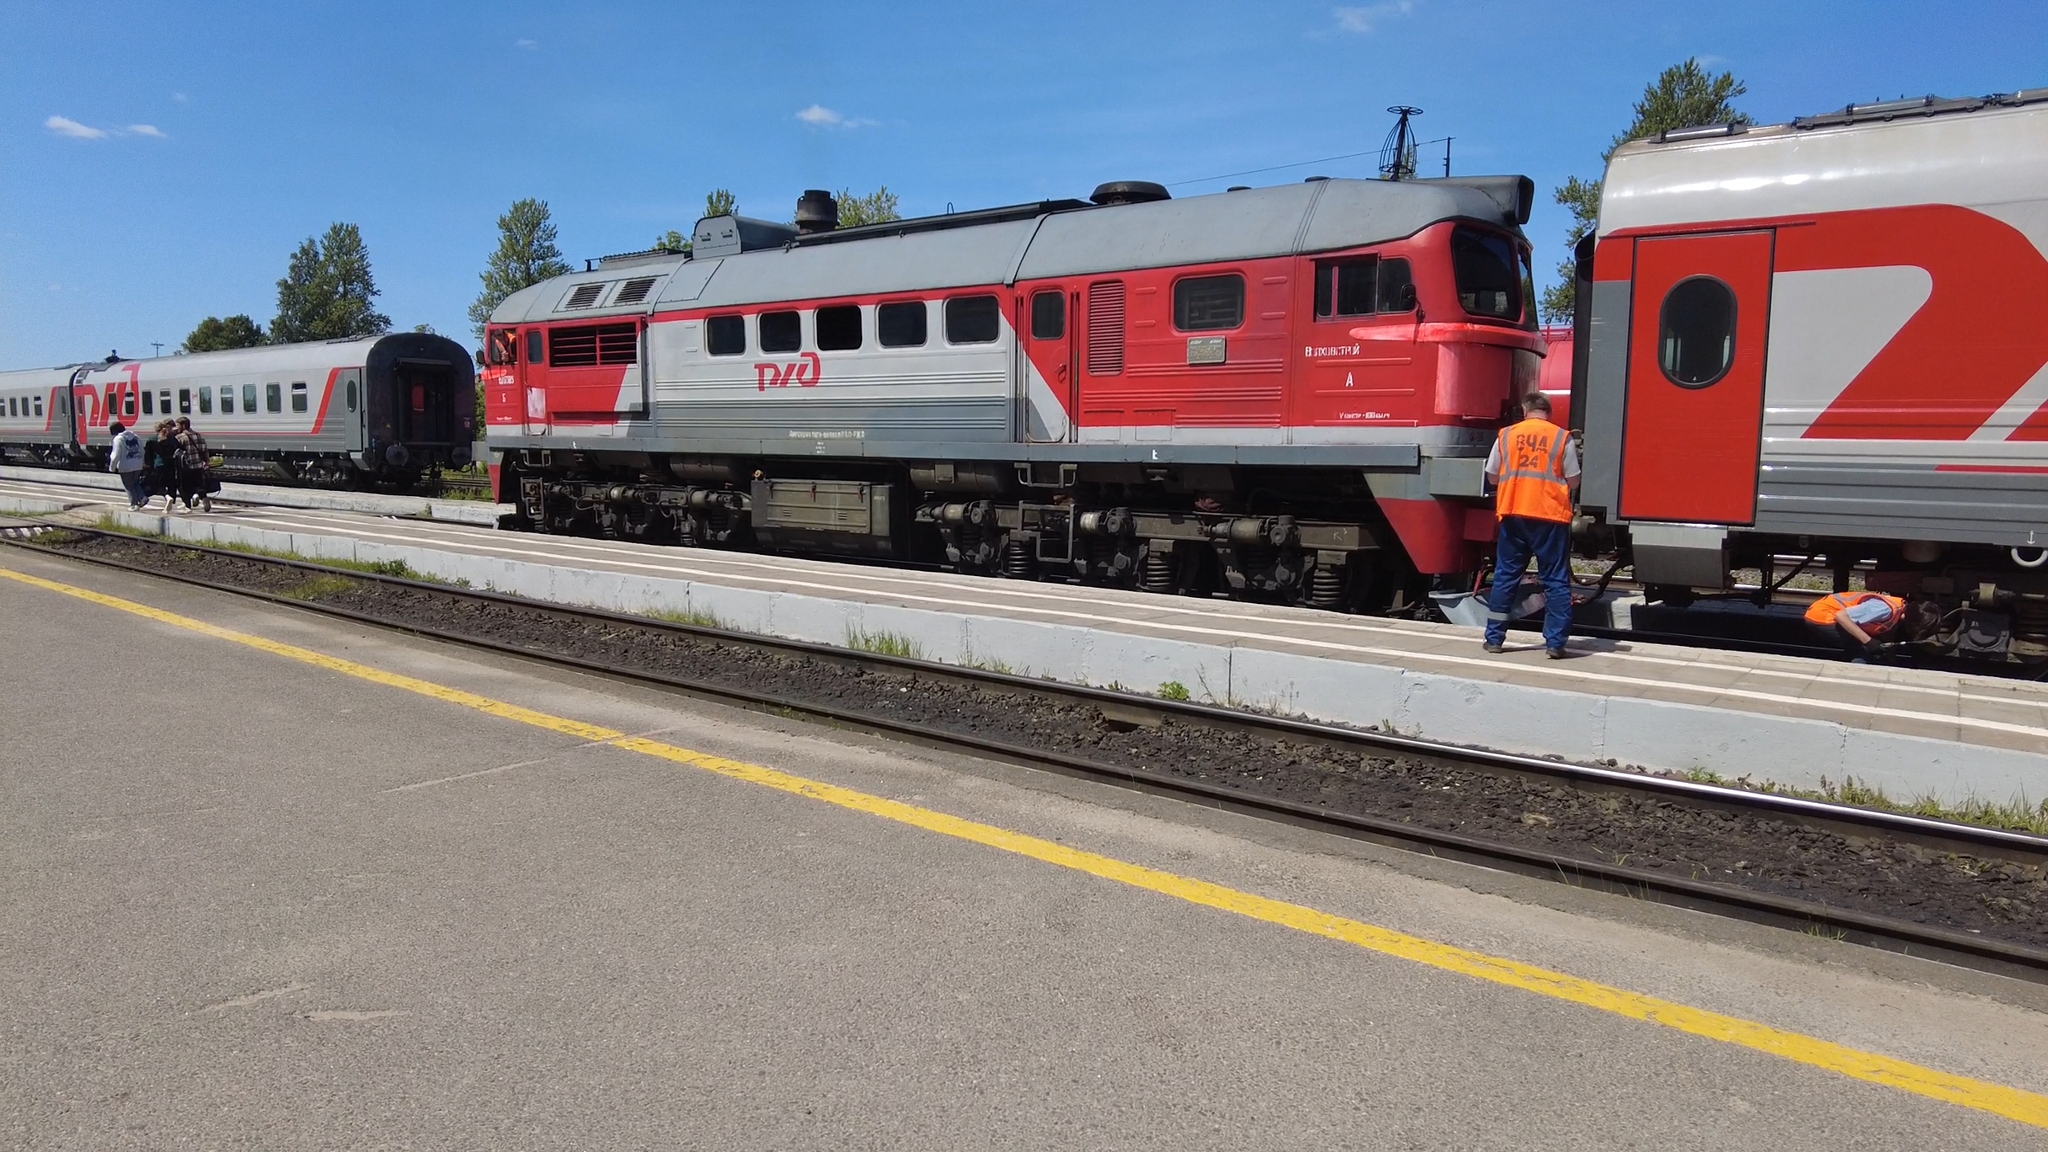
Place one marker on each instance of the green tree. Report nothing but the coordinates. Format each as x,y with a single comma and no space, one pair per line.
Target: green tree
672,241
218,334
721,202
526,254
873,208
1682,96
328,290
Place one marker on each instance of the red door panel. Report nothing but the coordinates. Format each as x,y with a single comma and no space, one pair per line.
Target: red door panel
1691,435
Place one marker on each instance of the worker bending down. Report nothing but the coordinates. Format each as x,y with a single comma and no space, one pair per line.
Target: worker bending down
1855,622
1534,467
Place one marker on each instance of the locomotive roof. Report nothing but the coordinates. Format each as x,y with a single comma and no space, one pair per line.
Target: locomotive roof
1312,216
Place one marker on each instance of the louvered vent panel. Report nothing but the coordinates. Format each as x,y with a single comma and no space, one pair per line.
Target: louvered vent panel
635,291
595,344
584,296
1106,328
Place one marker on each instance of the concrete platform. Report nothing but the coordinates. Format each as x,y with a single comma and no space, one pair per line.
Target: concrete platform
1798,722
50,484
262,904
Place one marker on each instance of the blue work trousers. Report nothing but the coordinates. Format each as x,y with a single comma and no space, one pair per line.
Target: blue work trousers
1551,544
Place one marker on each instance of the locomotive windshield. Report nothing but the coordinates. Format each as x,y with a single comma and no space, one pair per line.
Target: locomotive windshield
1488,272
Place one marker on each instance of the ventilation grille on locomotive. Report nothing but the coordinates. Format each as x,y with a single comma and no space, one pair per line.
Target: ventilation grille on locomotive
593,345
1106,328
584,296
635,291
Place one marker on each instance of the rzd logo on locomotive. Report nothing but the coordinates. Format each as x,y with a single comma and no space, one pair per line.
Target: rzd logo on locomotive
802,373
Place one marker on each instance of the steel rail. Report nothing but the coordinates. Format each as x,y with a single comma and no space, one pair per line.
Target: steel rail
1887,933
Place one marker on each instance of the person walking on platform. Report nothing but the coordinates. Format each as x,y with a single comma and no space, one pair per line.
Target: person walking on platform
160,456
1534,467
124,456
195,469
1854,621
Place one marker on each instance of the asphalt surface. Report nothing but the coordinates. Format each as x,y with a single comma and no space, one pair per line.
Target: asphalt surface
254,904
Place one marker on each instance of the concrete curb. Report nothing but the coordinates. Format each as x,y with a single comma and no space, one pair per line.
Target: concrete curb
376,503
1575,726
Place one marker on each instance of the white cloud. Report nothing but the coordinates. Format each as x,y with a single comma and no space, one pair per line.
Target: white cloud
181,98
819,116
147,130
529,45
1367,17
64,126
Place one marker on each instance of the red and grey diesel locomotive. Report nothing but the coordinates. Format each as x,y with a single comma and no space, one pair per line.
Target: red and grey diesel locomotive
1282,393
382,409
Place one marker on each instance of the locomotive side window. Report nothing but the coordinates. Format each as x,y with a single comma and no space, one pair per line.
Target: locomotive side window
838,328
1048,314
1397,286
205,401
298,395
726,335
248,398
273,398
1204,303
973,320
1696,332
504,347
902,324
1488,273
781,332
536,347
1347,287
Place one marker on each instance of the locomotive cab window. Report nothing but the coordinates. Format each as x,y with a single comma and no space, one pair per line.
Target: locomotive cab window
536,347
298,395
973,320
838,328
781,332
726,335
902,324
1696,332
1488,273
504,347
1208,303
1048,314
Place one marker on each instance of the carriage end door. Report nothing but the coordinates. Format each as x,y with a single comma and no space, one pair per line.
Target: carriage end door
1692,432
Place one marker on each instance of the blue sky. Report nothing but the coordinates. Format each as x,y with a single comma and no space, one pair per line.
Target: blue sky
159,162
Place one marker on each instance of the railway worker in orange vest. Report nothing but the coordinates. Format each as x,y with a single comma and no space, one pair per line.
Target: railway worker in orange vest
1534,467
1854,621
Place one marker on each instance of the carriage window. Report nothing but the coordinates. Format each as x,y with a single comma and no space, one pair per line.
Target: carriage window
148,404
1203,303
973,320
205,401
184,402
536,346
1696,332
273,397
504,347
227,399
1049,314
248,397
298,395
781,332
902,324
726,335
838,327
351,393
1488,273
128,403
39,405
10,407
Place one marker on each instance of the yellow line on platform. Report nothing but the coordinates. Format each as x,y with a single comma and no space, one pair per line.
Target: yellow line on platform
1998,1099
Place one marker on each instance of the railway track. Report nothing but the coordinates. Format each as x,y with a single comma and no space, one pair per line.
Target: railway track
1219,726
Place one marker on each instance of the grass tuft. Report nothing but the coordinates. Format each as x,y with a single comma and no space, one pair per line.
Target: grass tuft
883,643
1174,690
319,588
690,618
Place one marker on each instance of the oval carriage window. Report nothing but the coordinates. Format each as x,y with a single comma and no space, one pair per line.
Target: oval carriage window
1696,332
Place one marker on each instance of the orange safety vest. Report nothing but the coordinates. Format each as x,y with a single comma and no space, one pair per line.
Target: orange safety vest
1826,608
1532,483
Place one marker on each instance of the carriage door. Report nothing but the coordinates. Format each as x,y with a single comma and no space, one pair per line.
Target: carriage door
1694,417
83,404
1049,383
